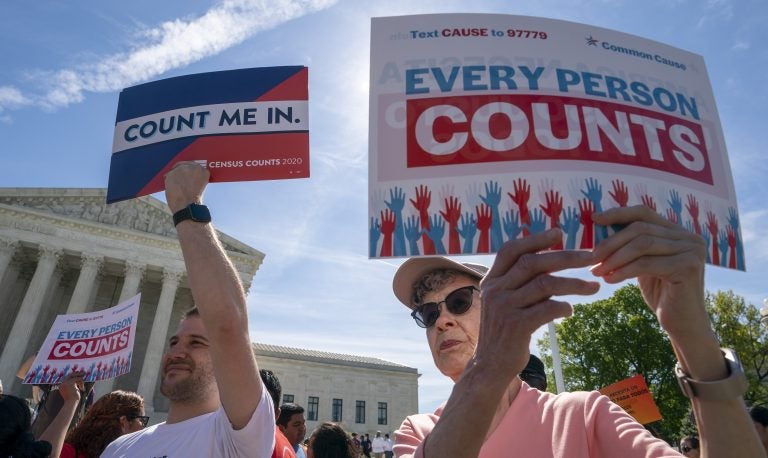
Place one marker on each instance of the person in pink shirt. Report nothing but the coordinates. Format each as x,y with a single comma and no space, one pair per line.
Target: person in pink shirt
479,324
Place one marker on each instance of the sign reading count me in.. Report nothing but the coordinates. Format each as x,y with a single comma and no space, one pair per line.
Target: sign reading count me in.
248,124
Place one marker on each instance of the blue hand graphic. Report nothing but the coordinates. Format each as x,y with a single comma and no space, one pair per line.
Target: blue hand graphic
722,243
413,234
676,204
374,231
570,225
512,225
538,221
436,232
707,239
733,218
467,230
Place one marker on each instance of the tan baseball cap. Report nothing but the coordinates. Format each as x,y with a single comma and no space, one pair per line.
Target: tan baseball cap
412,270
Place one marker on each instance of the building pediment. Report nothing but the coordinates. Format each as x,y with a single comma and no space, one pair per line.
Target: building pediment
144,214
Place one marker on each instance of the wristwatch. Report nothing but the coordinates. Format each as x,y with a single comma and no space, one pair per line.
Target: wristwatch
196,212
733,386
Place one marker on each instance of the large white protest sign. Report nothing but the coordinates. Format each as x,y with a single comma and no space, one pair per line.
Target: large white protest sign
485,128
98,343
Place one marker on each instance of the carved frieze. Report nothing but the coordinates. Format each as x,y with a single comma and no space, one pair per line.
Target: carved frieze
132,214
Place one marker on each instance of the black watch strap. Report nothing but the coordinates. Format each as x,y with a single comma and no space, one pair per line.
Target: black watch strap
198,213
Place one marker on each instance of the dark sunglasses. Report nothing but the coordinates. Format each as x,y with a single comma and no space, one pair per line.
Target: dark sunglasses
142,418
457,302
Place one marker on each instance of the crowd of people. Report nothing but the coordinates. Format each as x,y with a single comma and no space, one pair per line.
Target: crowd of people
478,323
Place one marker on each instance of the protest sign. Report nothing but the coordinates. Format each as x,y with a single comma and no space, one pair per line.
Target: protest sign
632,395
248,124
486,128
99,343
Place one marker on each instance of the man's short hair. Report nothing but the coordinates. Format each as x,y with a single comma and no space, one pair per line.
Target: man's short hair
692,440
191,312
288,410
534,374
272,383
759,414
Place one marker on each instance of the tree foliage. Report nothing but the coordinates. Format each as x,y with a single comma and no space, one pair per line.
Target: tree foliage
737,325
613,339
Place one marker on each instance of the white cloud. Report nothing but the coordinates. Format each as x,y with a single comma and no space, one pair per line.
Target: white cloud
740,45
716,10
171,45
11,97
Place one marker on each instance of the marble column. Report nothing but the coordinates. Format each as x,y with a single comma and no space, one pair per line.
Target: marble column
133,273
7,250
157,338
16,345
10,297
89,268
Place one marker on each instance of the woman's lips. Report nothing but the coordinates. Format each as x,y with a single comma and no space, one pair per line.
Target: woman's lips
446,344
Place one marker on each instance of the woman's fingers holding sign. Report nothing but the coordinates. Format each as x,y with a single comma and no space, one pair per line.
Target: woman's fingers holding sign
667,260
646,239
517,291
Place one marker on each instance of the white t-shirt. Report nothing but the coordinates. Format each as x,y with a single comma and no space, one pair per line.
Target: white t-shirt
208,435
379,445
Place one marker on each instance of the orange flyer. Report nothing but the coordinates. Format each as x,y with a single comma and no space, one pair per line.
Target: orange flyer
633,396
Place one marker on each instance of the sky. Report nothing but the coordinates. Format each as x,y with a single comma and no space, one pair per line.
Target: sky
64,64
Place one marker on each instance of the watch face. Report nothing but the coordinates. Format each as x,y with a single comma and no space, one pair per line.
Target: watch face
200,213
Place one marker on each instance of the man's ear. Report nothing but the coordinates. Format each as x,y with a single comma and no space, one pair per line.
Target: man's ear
277,413
282,428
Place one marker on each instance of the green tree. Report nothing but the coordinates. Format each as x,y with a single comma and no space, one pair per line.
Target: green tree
616,338
737,325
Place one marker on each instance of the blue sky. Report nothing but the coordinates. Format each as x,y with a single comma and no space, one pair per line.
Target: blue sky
64,63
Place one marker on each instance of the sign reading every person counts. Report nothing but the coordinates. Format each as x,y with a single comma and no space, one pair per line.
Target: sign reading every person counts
248,124
486,128
98,343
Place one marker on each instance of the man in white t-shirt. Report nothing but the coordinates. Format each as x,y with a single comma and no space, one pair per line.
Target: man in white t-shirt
219,406
388,444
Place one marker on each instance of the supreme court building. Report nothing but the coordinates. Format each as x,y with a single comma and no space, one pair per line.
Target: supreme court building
67,251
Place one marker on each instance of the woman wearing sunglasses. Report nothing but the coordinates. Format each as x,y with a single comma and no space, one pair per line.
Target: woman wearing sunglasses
479,324
111,416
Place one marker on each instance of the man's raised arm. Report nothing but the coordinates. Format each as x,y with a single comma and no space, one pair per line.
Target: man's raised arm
219,296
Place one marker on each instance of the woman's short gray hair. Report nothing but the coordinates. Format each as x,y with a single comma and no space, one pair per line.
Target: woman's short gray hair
433,281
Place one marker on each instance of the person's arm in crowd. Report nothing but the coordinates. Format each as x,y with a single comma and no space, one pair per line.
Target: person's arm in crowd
516,300
219,296
70,390
668,262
